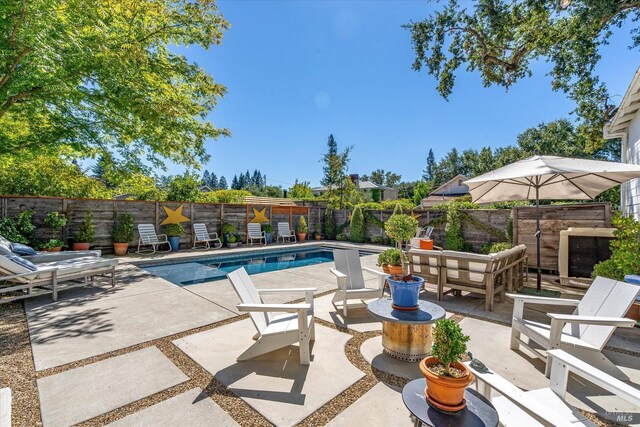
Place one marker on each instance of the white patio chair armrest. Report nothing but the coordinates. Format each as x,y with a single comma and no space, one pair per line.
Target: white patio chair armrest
338,274
162,235
532,299
214,234
286,308
286,291
592,320
374,271
591,374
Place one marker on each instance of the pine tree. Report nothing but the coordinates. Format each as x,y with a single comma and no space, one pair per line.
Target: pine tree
240,182
357,229
431,164
213,181
222,184
235,183
206,178
256,179
247,179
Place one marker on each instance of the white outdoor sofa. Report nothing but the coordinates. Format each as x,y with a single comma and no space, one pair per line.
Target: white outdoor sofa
18,278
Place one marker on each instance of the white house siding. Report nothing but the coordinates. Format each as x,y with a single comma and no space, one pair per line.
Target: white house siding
632,189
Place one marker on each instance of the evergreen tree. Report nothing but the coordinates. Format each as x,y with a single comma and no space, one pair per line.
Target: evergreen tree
213,181
256,179
431,165
357,229
222,184
335,173
235,183
206,178
247,179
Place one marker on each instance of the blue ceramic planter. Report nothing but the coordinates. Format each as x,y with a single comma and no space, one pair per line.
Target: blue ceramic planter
174,242
405,294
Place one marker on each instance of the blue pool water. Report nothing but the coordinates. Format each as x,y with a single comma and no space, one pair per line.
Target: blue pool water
217,268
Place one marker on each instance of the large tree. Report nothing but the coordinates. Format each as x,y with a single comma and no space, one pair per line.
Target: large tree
335,174
501,39
101,77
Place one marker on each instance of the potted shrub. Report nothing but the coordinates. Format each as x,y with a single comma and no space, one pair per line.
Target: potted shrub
316,233
401,228
173,232
301,229
268,232
383,261
446,376
395,260
227,230
86,233
405,290
55,221
232,241
122,234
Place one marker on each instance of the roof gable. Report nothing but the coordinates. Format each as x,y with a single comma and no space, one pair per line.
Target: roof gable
455,186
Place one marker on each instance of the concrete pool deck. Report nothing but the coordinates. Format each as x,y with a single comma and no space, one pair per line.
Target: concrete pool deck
187,339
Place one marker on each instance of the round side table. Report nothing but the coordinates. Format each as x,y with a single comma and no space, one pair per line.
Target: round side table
406,335
478,412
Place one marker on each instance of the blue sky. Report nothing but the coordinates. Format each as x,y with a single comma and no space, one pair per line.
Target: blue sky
297,71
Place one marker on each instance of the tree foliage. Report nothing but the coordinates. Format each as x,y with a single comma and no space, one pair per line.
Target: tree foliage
502,39
300,190
357,227
100,77
341,192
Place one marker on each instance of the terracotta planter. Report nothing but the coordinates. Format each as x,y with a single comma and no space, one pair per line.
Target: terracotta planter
56,249
395,269
385,268
301,237
120,249
445,393
318,237
81,246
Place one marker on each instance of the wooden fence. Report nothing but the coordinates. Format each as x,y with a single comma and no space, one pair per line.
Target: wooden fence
553,219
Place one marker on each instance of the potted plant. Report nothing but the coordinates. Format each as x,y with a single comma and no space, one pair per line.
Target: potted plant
268,232
401,228
122,234
301,229
395,259
173,232
383,261
86,233
446,376
56,222
227,230
316,233
405,290
232,241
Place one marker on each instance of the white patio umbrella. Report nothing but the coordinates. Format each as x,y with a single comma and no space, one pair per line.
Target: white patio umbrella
549,178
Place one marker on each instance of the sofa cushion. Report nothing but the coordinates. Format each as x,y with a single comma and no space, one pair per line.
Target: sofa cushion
75,265
5,247
13,264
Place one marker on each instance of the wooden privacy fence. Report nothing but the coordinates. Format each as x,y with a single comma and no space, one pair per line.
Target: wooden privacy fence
553,219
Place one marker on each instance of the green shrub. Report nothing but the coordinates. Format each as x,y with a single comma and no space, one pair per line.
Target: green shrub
371,206
395,257
302,226
383,259
510,228
232,239
342,237
227,228
123,230
492,248
401,227
266,227
375,194
625,250
53,243
87,231
397,209
400,204
449,343
358,228
377,240
19,229
56,222
173,230
329,224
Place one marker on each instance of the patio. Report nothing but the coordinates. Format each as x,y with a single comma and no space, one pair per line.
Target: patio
150,351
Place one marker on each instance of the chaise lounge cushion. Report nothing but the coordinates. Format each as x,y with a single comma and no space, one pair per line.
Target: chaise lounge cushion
42,257
5,247
13,264
74,265
20,249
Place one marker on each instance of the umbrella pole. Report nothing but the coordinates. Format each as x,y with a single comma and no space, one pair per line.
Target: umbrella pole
538,275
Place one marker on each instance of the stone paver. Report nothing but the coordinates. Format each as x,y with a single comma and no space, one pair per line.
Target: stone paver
380,406
192,408
86,392
275,384
372,351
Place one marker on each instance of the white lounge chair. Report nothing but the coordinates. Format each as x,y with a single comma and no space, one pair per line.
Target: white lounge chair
202,235
295,324
351,285
424,232
254,232
547,406
583,333
284,232
22,277
148,237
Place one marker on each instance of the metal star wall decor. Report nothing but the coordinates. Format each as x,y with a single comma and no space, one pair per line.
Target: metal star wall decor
259,216
174,216
416,215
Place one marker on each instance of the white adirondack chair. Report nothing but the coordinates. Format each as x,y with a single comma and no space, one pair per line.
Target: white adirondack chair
295,323
202,235
583,333
148,237
284,232
547,407
351,285
254,232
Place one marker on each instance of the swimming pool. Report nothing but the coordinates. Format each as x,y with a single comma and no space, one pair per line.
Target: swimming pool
187,273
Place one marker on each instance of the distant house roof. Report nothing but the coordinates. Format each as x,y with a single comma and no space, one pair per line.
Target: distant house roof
431,201
276,201
454,187
362,185
628,108
204,188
